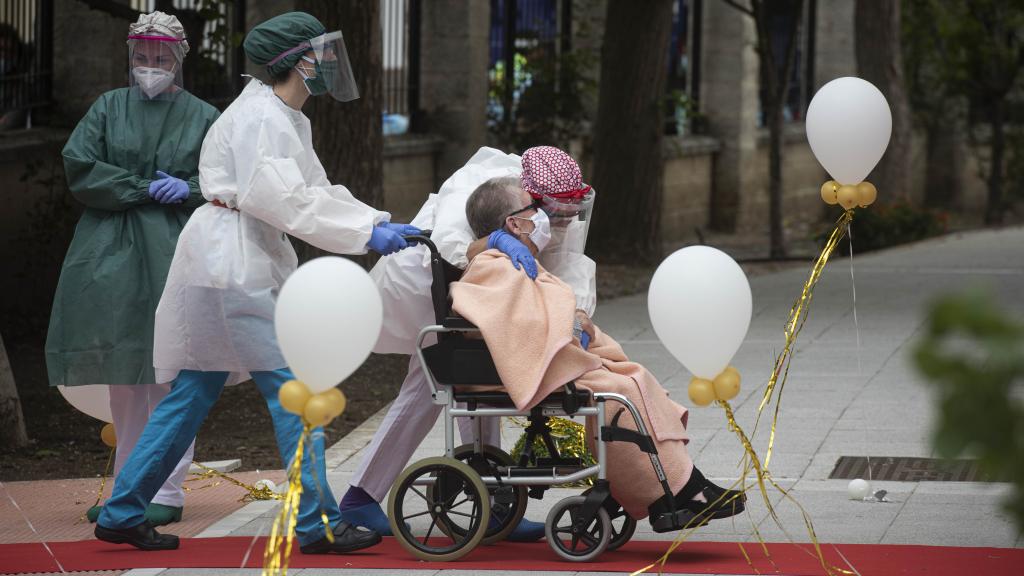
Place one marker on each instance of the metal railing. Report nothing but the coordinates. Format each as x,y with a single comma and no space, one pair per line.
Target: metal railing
26,59
400,32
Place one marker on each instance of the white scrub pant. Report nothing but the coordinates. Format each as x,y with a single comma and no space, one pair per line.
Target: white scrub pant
131,405
406,424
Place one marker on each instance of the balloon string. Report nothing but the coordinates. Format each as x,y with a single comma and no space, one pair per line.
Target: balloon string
797,317
103,484
33,529
282,532
856,326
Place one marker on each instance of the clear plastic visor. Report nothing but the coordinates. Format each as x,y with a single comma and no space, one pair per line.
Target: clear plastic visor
154,67
570,223
332,62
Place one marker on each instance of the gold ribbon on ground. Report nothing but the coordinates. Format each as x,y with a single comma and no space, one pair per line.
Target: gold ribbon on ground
282,533
252,492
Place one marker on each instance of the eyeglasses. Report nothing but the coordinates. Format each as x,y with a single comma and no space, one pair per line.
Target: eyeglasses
531,206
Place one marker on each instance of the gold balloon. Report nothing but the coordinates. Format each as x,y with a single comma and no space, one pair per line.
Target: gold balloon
337,400
727,384
318,411
848,196
108,435
866,194
828,192
702,392
293,396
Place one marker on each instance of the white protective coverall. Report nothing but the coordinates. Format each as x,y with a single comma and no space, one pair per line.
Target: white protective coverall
404,281
217,309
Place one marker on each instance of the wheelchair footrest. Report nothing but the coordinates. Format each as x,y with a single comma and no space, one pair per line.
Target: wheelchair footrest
671,522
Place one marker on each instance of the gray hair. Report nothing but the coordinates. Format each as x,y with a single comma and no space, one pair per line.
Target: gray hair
490,203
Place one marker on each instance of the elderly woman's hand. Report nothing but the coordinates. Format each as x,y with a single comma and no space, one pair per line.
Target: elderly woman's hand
588,329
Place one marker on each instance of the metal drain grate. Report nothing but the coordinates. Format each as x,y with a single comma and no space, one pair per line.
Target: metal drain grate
902,469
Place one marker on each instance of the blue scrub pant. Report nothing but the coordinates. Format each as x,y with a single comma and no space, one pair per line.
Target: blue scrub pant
176,421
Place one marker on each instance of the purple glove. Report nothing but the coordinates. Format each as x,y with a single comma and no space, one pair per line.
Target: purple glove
168,189
585,340
384,240
515,250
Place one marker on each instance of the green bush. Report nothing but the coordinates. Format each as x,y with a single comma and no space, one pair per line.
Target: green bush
882,226
974,356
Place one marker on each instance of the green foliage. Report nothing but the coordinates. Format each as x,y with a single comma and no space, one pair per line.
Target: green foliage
973,354
882,226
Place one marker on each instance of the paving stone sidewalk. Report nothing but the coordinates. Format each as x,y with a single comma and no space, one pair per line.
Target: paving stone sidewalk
841,400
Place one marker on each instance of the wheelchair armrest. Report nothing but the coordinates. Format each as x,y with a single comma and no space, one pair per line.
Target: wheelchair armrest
571,400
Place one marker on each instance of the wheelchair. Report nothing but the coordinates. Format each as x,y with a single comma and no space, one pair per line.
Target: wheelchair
441,508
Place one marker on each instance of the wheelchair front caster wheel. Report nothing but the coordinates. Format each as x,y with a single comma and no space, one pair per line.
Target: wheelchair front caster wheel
573,543
623,527
436,490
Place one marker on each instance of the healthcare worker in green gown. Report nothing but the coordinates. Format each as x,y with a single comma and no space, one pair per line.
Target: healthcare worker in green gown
133,162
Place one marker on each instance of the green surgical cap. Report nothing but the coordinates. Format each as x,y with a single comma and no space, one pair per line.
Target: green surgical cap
280,34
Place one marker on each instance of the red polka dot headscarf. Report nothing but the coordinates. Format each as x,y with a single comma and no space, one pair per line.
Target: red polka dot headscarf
547,171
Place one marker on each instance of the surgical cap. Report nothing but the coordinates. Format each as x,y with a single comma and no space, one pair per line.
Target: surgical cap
276,36
160,24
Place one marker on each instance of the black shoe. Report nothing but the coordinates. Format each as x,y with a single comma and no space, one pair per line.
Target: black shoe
142,536
347,538
729,502
720,503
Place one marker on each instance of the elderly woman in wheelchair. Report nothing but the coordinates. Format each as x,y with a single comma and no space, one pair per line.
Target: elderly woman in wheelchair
507,345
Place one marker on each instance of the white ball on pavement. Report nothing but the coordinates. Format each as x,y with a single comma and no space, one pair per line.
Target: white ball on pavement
858,489
268,484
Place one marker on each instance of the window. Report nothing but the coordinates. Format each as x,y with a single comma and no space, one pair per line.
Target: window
683,82
780,14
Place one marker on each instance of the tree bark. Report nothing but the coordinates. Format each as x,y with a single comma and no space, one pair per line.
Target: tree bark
994,207
12,422
628,164
880,61
347,136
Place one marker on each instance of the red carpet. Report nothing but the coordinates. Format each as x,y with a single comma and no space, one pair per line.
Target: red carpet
691,557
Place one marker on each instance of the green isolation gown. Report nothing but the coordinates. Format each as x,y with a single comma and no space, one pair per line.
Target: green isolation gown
101,325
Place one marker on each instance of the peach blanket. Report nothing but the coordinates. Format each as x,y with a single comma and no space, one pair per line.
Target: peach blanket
528,329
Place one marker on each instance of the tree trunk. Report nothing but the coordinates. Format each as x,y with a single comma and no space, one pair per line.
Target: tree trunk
945,163
776,238
880,61
347,136
994,207
12,422
628,163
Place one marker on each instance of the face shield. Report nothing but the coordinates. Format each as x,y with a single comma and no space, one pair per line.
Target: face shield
333,70
570,215
154,64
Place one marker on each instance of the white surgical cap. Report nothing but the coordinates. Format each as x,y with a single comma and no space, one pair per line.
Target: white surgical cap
160,24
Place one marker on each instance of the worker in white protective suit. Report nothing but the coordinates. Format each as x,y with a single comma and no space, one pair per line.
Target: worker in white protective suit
215,320
554,181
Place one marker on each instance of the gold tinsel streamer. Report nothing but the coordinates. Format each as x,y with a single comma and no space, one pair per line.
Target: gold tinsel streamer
103,484
279,544
252,492
797,317
571,439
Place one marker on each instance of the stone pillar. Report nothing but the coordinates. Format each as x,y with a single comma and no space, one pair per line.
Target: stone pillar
729,98
834,51
453,77
81,72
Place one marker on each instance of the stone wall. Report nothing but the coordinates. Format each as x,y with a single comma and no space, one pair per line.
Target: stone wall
687,185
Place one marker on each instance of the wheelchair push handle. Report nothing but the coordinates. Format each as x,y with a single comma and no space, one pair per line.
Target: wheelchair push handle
422,238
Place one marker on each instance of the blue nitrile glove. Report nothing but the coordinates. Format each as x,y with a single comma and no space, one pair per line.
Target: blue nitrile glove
403,230
585,340
384,240
515,250
168,189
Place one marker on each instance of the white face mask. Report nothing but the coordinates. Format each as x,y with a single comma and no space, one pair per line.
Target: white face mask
541,234
153,81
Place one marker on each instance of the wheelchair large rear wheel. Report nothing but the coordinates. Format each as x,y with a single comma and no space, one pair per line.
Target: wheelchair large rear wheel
455,492
577,546
508,503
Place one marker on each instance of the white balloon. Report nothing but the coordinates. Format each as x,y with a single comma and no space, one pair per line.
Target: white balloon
327,319
92,400
848,127
700,306
858,489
